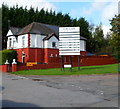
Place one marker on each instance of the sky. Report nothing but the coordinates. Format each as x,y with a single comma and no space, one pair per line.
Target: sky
94,11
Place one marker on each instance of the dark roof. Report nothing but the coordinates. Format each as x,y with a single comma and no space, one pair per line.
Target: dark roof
54,28
39,28
50,35
15,30
89,54
36,28
82,38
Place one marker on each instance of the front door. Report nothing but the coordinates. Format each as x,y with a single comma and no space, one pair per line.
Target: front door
23,58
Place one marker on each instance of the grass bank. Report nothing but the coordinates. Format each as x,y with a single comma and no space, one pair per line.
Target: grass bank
102,69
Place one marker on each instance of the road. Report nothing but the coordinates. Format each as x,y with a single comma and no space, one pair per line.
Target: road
60,91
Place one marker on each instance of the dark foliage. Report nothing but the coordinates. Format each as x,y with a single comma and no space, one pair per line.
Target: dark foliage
8,55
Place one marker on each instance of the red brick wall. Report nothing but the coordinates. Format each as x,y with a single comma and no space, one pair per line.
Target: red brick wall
94,60
84,61
36,55
83,53
40,55
19,52
31,54
54,59
38,66
47,54
5,68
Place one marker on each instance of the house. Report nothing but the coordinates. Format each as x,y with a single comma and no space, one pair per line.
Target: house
37,42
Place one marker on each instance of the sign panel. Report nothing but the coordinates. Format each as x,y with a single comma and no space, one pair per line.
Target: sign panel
69,40
68,66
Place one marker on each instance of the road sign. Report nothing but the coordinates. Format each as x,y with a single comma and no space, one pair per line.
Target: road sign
69,40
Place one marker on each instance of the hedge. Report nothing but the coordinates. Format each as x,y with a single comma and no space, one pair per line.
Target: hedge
7,55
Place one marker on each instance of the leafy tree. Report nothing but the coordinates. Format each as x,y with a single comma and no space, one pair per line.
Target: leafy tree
84,27
74,22
85,32
98,39
107,48
115,22
115,42
67,20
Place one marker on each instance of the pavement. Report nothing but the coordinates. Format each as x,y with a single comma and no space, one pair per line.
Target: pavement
60,91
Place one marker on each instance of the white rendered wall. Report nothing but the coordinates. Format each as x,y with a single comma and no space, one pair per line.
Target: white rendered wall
9,33
36,41
48,43
82,45
17,42
20,41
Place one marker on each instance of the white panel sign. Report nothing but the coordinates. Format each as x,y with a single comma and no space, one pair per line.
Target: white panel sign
69,40
68,66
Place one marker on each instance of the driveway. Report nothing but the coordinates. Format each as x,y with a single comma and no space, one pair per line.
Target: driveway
60,91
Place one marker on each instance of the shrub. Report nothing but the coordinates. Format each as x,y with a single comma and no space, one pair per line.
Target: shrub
8,55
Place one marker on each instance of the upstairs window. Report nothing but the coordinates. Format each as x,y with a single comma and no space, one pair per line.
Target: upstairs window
53,44
10,42
23,41
14,41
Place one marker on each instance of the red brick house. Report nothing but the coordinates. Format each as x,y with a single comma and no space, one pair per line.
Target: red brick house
37,42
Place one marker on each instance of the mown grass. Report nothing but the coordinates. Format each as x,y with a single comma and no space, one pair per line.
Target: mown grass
102,69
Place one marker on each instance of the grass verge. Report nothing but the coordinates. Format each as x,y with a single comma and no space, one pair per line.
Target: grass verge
102,69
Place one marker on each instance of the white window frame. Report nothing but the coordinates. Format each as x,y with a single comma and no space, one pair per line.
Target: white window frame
23,41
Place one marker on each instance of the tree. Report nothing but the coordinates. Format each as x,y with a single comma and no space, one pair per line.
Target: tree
84,27
107,44
98,39
115,42
85,32
115,22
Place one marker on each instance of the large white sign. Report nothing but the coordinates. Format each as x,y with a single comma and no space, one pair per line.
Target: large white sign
69,40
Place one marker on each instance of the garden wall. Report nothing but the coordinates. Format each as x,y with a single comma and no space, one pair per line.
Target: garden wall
38,66
95,60
84,61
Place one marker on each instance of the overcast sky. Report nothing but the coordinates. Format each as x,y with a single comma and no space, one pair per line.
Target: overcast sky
94,11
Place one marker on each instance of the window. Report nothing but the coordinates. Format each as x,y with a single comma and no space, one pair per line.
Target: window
14,42
53,44
10,42
23,41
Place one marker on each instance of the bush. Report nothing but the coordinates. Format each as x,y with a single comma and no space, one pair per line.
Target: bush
8,55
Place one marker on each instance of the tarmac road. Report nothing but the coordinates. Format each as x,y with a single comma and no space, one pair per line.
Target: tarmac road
60,91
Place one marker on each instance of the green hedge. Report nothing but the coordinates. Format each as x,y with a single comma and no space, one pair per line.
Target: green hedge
7,55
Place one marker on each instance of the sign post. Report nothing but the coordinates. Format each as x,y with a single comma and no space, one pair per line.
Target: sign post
62,63
79,62
69,43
